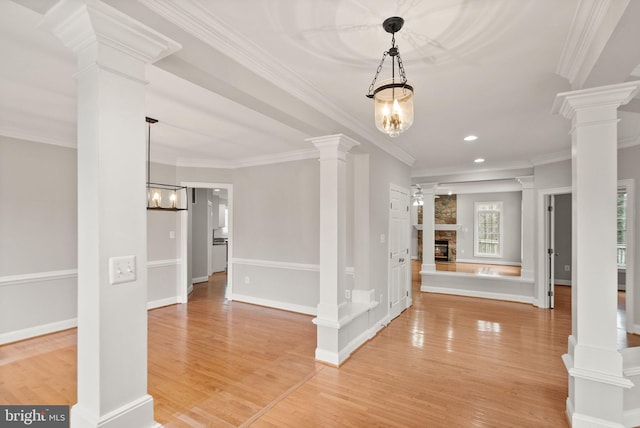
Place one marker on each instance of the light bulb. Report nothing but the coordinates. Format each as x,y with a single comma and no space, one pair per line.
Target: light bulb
156,199
173,198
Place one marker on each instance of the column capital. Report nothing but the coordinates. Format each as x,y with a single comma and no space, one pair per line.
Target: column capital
527,181
428,188
80,23
333,146
568,103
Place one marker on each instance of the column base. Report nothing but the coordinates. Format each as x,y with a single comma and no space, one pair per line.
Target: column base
428,267
138,413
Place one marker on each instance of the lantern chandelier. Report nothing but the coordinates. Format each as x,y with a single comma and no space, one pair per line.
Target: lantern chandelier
167,197
393,98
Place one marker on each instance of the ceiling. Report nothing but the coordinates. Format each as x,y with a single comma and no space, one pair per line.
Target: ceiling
255,79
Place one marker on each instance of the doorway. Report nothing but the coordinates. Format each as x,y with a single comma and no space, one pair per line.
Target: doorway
185,277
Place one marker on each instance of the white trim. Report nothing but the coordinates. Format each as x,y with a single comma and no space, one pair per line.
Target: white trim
162,263
39,330
476,241
37,277
199,279
562,282
276,264
486,261
636,329
582,34
163,302
275,304
138,412
449,227
480,294
600,377
590,421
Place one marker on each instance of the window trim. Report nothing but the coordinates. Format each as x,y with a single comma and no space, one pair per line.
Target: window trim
476,241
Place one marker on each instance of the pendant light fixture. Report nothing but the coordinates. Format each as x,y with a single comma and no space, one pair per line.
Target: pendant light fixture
167,197
393,98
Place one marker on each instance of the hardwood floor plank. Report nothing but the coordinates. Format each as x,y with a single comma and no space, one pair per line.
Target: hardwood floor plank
446,361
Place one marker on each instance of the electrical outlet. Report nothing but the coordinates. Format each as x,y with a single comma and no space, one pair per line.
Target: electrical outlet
347,294
122,269
247,280
567,268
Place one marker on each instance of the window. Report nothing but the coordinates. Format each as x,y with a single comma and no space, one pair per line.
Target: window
622,228
488,229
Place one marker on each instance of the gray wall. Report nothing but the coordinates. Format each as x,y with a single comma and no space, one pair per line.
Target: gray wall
562,238
276,221
38,248
512,222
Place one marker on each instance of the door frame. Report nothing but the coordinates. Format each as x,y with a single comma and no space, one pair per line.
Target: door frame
407,229
543,233
542,268
183,223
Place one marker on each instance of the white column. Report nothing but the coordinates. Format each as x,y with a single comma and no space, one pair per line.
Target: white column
595,368
528,224
428,228
112,52
333,242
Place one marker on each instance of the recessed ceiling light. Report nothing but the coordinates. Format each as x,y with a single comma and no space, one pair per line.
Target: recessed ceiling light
216,190
479,160
470,138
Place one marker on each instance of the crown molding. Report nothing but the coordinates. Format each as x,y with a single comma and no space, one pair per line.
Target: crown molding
548,158
447,171
196,20
586,22
78,24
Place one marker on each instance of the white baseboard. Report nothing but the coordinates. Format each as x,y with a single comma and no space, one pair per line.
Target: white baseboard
137,413
275,304
636,329
199,279
489,262
631,418
28,333
480,294
562,282
162,302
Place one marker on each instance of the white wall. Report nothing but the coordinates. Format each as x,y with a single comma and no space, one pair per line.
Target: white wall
512,222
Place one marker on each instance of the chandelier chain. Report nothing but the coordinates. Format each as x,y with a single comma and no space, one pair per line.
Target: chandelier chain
384,55
401,68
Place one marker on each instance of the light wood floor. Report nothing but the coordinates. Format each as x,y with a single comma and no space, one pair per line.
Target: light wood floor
446,361
478,268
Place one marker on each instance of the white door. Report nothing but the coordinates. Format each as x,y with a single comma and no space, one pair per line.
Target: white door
399,266
551,222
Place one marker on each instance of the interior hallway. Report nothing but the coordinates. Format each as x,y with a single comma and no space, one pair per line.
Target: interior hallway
446,361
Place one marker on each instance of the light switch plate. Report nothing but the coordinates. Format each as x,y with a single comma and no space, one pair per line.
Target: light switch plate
122,269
